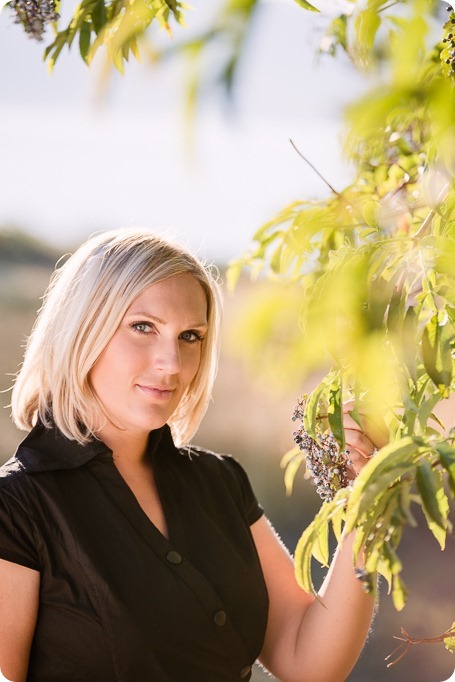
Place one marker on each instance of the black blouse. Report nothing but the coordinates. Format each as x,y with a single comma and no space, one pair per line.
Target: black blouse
118,601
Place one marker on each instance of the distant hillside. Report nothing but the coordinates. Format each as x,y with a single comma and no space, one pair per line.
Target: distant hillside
19,248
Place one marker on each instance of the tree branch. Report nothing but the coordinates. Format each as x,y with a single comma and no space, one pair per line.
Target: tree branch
407,641
316,170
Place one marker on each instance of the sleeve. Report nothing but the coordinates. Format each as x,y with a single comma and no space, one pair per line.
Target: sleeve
253,509
17,539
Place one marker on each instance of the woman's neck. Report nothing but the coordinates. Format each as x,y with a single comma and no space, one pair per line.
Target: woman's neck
128,448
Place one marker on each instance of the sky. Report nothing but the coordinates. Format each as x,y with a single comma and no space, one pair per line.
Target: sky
77,157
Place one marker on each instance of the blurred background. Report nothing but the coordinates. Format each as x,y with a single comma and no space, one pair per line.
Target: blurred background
84,150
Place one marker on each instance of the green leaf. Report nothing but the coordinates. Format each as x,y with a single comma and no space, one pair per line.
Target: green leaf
306,5
408,49
409,341
117,61
291,470
84,39
367,24
335,412
426,408
447,459
434,500
312,408
372,518
288,456
397,312
404,503
379,482
337,522
336,35
449,641
381,292
354,413
398,454
370,212
306,544
99,18
321,546
303,555
399,593
383,470
437,353
380,532
383,569
366,232
134,47
53,51
287,214
393,559
275,260
389,564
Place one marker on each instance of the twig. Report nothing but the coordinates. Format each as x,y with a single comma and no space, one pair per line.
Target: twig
316,171
386,7
407,641
425,225
428,220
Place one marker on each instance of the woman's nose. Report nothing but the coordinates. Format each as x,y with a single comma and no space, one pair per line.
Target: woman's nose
167,357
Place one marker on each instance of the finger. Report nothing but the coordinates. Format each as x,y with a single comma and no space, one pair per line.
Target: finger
350,423
358,441
355,461
348,405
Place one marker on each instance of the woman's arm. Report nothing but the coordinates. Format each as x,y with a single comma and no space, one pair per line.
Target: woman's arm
19,595
305,640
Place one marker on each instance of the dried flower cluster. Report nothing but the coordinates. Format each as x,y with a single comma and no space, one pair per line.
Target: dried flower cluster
326,464
34,15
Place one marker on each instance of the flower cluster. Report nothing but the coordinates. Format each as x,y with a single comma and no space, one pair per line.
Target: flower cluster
34,15
324,461
448,52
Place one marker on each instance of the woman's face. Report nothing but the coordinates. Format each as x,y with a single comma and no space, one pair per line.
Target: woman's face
152,358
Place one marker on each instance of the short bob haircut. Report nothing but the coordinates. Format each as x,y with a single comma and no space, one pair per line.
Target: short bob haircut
82,308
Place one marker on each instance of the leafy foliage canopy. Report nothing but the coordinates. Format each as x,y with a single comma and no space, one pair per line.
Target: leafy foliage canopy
375,267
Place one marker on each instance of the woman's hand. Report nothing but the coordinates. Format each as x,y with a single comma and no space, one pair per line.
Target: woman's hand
362,441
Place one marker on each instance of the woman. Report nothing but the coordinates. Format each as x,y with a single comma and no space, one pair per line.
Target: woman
125,553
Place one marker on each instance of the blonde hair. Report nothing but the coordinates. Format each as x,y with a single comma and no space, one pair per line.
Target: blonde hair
83,306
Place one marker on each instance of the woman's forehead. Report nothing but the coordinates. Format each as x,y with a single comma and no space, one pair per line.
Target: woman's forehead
175,294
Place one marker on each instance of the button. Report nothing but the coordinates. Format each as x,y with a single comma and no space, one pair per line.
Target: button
220,618
174,557
245,671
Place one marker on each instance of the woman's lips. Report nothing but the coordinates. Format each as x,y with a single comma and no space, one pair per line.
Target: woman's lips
157,392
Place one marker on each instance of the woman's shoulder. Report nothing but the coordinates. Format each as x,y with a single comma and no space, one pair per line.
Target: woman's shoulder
15,472
224,473
17,491
43,451
203,458
17,515
192,451
11,472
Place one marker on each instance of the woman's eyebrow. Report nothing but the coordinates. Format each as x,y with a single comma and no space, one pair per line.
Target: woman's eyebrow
159,320
143,313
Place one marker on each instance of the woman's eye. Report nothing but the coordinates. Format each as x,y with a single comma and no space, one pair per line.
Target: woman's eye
191,337
142,327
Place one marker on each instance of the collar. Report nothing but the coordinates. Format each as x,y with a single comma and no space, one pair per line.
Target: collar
47,449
